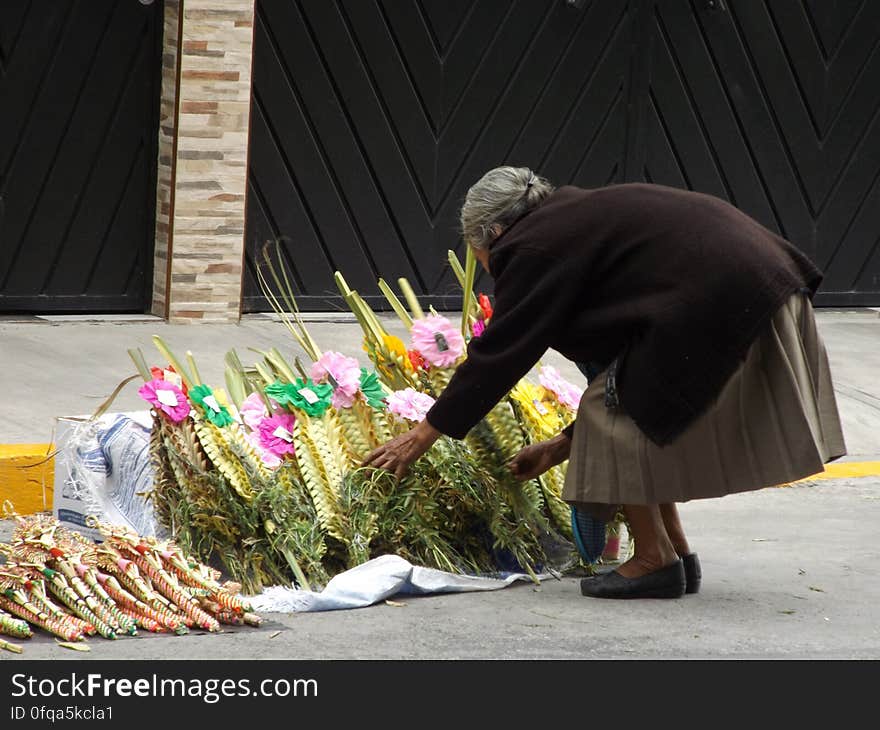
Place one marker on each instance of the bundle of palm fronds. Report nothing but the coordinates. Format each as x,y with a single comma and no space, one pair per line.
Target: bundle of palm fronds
528,414
265,475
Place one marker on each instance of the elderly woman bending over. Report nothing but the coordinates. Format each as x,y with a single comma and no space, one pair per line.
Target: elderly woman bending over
694,326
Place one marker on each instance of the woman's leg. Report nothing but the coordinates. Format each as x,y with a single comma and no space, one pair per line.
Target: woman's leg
654,549
693,573
672,523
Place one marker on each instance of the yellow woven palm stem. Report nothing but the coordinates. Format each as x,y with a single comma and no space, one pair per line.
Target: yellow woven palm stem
482,443
328,437
401,371
507,429
179,474
389,373
287,476
304,549
439,378
182,437
188,488
318,481
395,364
224,458
482,454
236,441
357,433
376,421
503,440
533,494
540,423
165,487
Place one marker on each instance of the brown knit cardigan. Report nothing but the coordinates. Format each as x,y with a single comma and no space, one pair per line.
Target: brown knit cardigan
669,287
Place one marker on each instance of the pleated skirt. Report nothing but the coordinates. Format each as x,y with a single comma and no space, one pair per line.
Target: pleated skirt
775,421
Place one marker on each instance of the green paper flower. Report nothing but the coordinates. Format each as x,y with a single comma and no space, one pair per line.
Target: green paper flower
372,390
304,395
279,392
203,397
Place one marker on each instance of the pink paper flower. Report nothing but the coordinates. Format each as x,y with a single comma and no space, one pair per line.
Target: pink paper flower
272,461
166,397
566,393
276,433
410,404
269,459
438,340
169,374
252,411
342,372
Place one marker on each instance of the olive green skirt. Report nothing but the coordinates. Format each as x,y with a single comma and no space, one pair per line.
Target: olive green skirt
775,421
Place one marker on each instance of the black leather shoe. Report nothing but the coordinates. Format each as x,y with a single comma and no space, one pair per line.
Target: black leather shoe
692,572
668,582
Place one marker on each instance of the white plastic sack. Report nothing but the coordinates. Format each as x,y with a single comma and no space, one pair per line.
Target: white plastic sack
103,469
374,581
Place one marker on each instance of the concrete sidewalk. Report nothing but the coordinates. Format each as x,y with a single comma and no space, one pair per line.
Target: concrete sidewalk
790,572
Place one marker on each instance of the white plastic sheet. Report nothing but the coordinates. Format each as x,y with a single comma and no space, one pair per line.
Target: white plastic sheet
374,581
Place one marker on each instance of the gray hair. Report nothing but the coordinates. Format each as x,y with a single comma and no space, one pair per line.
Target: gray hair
500,197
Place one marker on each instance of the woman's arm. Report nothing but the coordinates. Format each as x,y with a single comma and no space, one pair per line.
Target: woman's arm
398,454
534,296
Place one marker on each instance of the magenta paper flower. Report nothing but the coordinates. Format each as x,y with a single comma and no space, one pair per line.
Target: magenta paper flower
276,433
479,327
270,460
438,340
566,393
166,397
252,411
343,373
410,404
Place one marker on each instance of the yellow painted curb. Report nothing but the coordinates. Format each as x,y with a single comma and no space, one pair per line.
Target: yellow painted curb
846,470
27,477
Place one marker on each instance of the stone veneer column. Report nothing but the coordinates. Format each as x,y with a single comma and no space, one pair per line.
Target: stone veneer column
164,176
204,194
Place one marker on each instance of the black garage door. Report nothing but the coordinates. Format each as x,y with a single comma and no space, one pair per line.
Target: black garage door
372,117
79,89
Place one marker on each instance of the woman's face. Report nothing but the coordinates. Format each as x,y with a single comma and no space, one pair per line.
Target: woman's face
482,255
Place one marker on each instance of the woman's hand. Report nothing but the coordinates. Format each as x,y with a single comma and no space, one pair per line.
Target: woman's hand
534,460
397,455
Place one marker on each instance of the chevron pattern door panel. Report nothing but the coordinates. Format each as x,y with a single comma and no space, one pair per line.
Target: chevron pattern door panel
774,105
79,87
371,118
